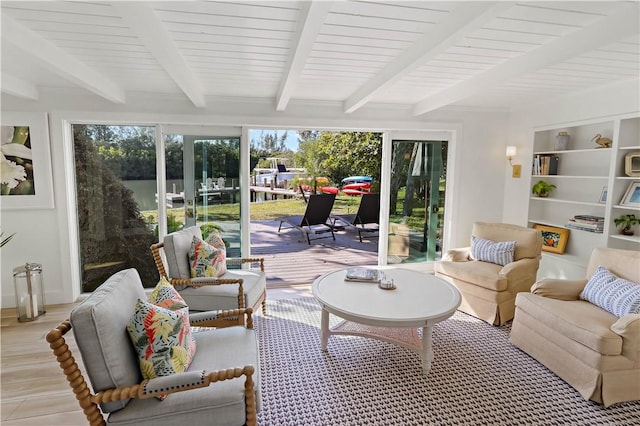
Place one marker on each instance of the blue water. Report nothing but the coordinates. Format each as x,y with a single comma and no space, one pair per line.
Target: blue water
144,191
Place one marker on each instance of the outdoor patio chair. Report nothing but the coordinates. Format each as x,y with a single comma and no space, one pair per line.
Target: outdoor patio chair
236,288
316,219
220,385
367,219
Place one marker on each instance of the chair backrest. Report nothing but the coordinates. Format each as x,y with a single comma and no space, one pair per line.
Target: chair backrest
221,183
623,263
99,325
369,209
176,251
318,209
528,240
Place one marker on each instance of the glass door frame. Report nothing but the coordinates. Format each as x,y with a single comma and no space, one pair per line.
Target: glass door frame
448,135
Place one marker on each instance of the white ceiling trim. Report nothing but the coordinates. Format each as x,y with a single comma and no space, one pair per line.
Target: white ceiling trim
144,22
313,15
461,22
61,62
607,30
15,86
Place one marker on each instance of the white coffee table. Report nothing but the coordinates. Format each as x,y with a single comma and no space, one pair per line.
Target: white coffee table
419,300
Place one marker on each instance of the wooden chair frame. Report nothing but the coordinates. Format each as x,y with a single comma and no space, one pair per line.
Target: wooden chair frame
89,402
262,300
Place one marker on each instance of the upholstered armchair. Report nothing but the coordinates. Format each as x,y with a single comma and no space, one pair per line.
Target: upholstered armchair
505,263
236,288
219,386
564,325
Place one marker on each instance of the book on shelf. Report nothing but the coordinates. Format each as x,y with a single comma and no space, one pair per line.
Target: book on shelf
586,225
363,274
588,218
545,164
581,227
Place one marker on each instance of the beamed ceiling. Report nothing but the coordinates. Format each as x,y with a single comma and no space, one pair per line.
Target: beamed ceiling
419,54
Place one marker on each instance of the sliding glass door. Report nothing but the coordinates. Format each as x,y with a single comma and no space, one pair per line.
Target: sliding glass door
416,200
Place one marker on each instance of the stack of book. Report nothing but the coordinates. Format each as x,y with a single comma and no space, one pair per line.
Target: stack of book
585,222
545,164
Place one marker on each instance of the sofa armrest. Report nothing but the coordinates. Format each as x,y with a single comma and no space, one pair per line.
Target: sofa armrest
628,327
559,288
216,318
457,255
522,266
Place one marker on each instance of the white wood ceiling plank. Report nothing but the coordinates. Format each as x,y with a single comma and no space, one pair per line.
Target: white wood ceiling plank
182,37
191,54
31,19
595,68
622,23
234,32
502,45
239,62
513,36
604,56
78,30
389,11
70,45
59,38
342,67
175,11
458,65
462,21
533,12
468,58
370,33
581,60
488,53
542,28
346,62
345,48
583,73
312,17
633,48
341,56
73,8
18,87
194,48
59,61
342,75
381,23
362,41
228,21
143,21
108,55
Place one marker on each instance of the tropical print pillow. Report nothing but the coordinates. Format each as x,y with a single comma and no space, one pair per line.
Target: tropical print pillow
166,296
205,260
162,339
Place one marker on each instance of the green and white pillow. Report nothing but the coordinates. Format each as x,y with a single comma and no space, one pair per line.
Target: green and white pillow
205,260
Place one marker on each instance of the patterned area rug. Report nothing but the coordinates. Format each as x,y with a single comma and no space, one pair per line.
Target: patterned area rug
477,378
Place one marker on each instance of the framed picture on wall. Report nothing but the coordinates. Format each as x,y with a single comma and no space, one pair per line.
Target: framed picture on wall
27,182
603,196
554,239
631,197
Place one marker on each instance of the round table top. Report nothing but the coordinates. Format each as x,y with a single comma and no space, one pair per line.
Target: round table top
418,297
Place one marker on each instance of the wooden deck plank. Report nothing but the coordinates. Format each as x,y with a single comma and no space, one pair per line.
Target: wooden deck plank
290,260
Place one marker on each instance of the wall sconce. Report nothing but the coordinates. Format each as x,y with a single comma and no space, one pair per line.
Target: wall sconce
516,169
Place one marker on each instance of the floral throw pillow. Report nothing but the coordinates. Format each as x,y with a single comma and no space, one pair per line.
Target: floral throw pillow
162,339
166,296
205,260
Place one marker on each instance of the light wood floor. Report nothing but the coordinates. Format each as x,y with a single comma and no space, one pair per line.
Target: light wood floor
34,390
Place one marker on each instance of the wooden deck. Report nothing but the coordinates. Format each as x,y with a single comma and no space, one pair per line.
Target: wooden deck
290,260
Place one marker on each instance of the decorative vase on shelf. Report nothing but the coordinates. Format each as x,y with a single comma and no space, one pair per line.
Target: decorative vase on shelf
562,141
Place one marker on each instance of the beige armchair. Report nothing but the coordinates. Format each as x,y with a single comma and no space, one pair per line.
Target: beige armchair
488,289
591,349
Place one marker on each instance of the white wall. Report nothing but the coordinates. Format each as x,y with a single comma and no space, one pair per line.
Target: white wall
43,235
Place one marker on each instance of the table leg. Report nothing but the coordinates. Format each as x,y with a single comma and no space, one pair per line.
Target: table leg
324,329
427,349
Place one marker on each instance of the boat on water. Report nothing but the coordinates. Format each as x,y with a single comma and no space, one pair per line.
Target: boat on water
278,173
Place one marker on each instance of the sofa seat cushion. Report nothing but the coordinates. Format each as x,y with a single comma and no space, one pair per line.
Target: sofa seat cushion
99,325
221,402
214,297
578,320
483,274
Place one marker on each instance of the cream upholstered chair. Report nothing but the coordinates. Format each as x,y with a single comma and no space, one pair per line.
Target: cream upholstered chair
236,288
488,289
590,348
220,386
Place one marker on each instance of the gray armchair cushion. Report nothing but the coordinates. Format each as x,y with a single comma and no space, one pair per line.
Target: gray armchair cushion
176,249
214,297
99,326
221,403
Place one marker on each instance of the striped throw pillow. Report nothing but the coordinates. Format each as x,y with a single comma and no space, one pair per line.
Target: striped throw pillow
612,293
499,253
